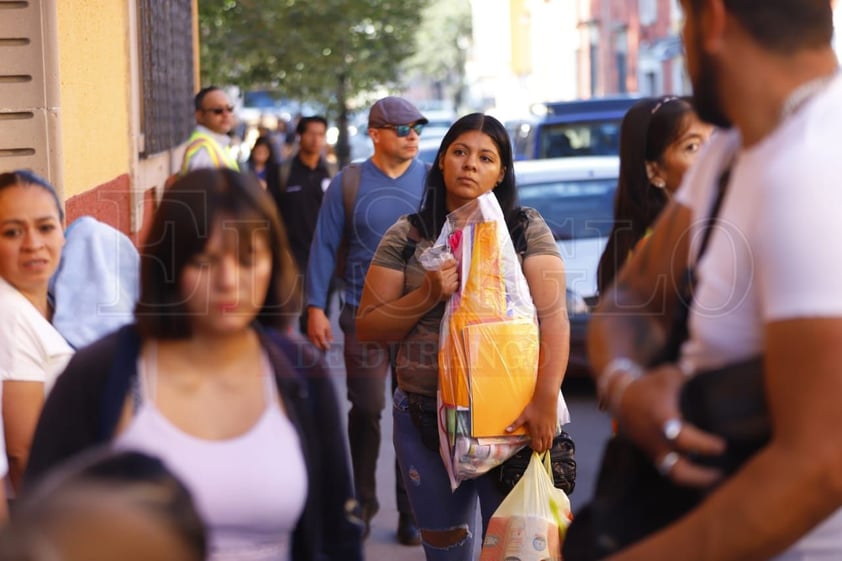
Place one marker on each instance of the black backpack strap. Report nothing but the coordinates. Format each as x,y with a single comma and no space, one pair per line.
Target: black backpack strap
283,174
413,236
517,232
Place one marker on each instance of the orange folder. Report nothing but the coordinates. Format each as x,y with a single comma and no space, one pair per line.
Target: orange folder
502,364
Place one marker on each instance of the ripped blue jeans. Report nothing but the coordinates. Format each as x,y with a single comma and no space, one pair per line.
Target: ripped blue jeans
446,519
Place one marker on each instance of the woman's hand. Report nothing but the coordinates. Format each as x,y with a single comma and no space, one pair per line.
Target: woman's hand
440,285
648,413
541,420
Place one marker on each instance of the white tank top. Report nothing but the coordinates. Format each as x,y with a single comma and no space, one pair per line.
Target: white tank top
250,489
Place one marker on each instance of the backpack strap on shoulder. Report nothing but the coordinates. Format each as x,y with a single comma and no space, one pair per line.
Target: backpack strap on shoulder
283,173
413,236
517,232
350,188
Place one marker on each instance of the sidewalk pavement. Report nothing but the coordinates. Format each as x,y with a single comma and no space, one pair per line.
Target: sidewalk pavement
382,543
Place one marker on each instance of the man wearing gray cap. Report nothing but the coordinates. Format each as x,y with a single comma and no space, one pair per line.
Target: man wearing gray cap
388,185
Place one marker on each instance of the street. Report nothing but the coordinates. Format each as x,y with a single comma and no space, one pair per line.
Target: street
589,429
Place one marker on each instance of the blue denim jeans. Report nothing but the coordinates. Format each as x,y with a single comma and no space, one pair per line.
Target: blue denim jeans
436,507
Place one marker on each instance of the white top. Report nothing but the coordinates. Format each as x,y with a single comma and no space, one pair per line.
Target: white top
767,259
250,489
30,347
4,462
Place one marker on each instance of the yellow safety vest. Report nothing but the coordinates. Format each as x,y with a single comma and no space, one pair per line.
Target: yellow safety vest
219,155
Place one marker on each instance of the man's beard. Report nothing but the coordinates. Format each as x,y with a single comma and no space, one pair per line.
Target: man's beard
705,96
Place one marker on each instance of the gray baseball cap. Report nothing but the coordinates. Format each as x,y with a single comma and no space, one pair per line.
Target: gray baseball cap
393,110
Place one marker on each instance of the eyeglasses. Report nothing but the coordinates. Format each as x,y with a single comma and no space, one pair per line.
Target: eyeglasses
220,110
403,130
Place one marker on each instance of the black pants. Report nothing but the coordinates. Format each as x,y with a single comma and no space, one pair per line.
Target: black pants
366,367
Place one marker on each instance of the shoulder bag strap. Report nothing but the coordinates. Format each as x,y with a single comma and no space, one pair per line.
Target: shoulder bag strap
679,332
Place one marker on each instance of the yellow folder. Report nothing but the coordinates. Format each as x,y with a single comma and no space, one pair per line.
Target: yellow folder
502,364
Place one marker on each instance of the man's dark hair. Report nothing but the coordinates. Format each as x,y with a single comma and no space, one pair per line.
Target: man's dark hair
200,97
303,122
782,26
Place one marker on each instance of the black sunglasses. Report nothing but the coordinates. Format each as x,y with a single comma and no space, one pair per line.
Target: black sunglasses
220,110
403,130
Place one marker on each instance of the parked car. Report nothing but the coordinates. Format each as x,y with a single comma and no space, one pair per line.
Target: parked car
576,198
583,127
428,148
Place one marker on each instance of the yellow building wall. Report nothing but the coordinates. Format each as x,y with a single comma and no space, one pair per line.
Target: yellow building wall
95,106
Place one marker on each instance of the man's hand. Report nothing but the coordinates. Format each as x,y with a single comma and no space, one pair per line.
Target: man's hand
645,409
318,328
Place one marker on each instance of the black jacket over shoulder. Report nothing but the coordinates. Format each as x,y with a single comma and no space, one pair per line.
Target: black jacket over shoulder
86,402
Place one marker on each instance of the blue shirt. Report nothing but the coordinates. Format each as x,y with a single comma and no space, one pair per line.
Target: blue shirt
380,201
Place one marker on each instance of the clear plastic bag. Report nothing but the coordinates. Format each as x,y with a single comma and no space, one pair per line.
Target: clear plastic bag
488,353
530,523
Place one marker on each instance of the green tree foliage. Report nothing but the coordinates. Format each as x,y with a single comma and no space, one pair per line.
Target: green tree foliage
442,47
323,51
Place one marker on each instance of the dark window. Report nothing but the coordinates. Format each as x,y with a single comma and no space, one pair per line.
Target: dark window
622,69
166,67
573,209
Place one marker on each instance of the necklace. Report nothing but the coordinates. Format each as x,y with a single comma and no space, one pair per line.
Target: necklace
803,93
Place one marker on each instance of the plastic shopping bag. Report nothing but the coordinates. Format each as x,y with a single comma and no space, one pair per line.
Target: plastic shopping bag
530,523
489,343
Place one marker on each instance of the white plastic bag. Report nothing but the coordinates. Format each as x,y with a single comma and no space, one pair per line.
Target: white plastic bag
489,343
530,523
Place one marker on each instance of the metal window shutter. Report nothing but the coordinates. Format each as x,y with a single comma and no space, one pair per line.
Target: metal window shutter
28,96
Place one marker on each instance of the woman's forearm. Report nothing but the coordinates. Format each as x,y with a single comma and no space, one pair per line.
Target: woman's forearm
392,321
553,355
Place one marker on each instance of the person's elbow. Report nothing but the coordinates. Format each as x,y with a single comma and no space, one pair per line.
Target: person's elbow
368,328
365,329
372,329
824,467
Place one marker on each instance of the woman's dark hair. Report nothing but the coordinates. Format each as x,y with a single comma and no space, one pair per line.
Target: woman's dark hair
181,228
433,213
783,26
143,481
267,142
25,177
648,128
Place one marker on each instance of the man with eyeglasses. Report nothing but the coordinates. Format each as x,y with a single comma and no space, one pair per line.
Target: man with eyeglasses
391,183
208,146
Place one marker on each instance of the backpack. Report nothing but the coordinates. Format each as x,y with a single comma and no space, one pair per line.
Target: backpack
517,232
350,187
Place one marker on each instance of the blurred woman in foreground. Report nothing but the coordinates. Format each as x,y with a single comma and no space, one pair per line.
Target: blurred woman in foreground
245,416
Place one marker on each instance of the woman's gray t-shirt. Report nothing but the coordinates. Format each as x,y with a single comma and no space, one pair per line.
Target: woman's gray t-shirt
417,359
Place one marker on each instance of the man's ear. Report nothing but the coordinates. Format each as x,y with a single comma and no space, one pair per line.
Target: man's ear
713,19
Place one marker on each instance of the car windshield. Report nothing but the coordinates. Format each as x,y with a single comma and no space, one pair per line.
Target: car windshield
573,209
592,138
